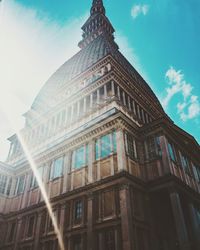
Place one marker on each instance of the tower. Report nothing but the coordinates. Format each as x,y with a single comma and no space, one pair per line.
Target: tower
119,174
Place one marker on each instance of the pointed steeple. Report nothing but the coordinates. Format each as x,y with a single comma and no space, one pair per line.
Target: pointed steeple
96,25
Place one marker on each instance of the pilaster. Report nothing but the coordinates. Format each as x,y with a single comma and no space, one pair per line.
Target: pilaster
195,226
179,220
126,217
121,151
37,231
90,214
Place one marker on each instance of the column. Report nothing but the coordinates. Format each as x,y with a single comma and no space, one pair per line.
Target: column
66,171
62,219
84,105
13,186
18,231
121,152
26,189
37,231
126,217
179,220
90,215
98,96
47,172
113,88
91,100
105,92
195,226
91,159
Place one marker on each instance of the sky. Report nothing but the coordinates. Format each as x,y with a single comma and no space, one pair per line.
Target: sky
160,38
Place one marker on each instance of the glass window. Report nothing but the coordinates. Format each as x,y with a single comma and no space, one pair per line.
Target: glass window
158,146
20,184
30,226
3,181
198,172
78,209
171,152
106,145
57,168
110,240
131,146
77,244
9,186
12,231
80,157
185,163
34,183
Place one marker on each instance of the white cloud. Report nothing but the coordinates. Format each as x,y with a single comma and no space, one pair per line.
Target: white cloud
31,49
139,9
189,108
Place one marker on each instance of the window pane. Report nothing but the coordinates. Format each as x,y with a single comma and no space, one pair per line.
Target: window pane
105,146
3,181
57,169
30,226
20,186
171,152
78,210
9,186
131,147
79,158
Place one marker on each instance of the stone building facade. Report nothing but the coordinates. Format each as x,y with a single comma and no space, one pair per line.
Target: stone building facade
119,174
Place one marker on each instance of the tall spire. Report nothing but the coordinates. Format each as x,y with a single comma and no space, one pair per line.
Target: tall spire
97,7
96,25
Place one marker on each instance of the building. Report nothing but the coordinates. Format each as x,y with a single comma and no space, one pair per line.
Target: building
119,174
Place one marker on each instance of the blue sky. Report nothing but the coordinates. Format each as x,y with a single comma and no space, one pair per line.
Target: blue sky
161,39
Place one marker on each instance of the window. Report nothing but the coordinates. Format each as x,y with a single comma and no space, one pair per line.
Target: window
198,172
78,210
57,168
34,183
12,230
9,186
110,240
106,145
130,146
43,222
77,243
50,222
30,226
20,184
171,152
185,163
153,147
3,181
158,146
80,157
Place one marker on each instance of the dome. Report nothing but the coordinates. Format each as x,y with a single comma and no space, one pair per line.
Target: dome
97,43
80,62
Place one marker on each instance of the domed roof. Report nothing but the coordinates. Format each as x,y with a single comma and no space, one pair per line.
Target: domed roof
97,43
80,62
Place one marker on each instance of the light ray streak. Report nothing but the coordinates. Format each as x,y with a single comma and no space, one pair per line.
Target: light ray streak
42,189
33,166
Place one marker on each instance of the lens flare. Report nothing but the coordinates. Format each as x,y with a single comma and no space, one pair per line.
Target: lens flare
33,166
42,189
